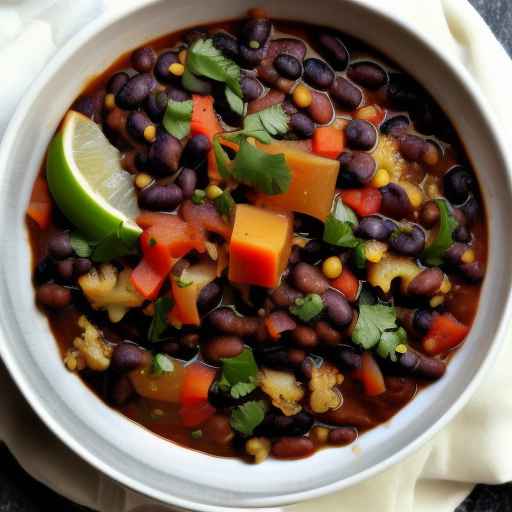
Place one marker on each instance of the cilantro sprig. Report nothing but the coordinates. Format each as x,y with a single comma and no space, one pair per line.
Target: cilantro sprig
239,374
266,123
159,321
246,417
339,227
177,118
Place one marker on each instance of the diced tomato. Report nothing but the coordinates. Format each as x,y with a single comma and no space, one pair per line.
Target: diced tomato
196,383
40,205
205,217
196,414
445,333
146,280
364,201
370,375
328,141
348,284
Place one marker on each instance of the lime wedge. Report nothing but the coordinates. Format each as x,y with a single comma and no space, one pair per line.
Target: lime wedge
87,181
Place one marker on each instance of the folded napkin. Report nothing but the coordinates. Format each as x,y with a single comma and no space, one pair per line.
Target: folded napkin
439,475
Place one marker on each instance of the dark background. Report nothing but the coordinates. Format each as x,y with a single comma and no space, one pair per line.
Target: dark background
20,493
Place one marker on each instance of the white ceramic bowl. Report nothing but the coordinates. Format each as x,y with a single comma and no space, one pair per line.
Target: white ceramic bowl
140,459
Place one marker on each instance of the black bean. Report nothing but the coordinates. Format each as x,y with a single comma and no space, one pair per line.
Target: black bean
408,240
135,91
288,66
356,169
209,297
164,154
348,358
187,181
195,34
327,334
458,184
335,51
86,105
313,251
309,279
422,320
220,347
368,74
59,246
255,32
346,94
471,210
321,109
374,227
426,283
64,269
143,59
252,57
44,270
227,321
420,365
251,88
117,81
472,272
227,44
141,161
318,74
338,309
412,147
155,105
171,348
176,93
196,150
136,123
302,125
288,45
127,357
121,390
53,296
402,92
162,65
81,266
285,296
305,337
276,424
395,126
160,197
395,202
462,234
360,135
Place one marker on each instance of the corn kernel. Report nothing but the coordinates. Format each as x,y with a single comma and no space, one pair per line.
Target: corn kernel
213,191
110,101
374,250
150,133
436,301
254,44
142,180
446,285
401,349
177,69
381,179
367,113
413,192
251,141
302,96
319,435
182,56
468,256
332,267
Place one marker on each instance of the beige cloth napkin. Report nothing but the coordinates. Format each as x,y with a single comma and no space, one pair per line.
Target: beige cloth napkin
475,447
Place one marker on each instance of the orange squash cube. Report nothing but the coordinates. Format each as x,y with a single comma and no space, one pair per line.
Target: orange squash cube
260,246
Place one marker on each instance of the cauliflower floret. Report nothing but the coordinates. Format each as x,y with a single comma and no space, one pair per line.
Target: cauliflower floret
283,389
92,347
108,289
324,395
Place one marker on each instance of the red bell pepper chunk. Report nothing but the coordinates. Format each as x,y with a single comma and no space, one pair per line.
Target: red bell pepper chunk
364,201
328,141
196,414
40,205
196,383
370,375
146,280
445,333
348,284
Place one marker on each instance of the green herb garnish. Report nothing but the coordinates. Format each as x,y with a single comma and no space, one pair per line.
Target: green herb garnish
224,164
266,123
161,364
243,388
241,368
246,417
198,196
177,117
339,227
389,340
203,59
225,204
308,308
196,434
235,103
80,245
191,83
159,321
359,256
433,254
111,247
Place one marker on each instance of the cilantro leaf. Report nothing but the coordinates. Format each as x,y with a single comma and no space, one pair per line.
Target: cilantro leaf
241,368
191,83
372,322
80,245
235,103
224,164
162,364
338,227
225,204
266,173
242,389
159,321
389,340
433,254
308,308
359,256
111,247
268,122
177,117
246,417
204,59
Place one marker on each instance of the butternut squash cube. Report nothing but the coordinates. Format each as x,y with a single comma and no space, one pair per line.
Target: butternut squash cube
260,246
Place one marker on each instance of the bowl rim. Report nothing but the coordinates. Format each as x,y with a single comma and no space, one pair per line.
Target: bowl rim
14,126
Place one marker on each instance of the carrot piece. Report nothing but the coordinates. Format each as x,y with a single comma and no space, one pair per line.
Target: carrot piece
196,383
40,205
348,284
370,375
445,333
195,415
364,201
146,280
328,141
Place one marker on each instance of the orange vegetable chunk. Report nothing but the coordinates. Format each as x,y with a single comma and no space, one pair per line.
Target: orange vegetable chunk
445,333
260,246
328,141
313,182
40,205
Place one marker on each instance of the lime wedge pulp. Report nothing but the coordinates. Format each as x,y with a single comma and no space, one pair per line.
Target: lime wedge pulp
87,181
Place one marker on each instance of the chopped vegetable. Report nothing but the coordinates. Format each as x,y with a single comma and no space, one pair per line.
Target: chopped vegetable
159,321
372,321
241,368
40,204
370,375
205,218
196,434
196,414
260,246
225,204
266,123
389,341
433,254
347,283
328,141
283,389
235,102
111,247
445,333
322,385
80,245
390,267
162,364
198,196
92,347
339,226
364,201
177,118
197,380
246,417
308,307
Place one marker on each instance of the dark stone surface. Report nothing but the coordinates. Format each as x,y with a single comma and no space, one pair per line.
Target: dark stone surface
20,493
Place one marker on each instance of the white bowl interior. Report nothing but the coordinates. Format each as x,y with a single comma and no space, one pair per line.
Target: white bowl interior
128,452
